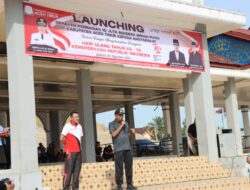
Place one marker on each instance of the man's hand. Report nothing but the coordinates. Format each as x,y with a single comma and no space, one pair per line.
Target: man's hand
116,132
133,130
248,160
7,129
10,186
62,139
4,134
195,141
123,123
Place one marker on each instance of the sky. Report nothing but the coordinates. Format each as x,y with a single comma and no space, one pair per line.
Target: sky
242,6
144,114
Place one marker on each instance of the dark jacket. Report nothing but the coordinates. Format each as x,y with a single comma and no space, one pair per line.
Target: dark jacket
173,58
195,59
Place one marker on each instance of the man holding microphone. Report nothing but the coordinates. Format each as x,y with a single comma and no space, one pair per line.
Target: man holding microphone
121,133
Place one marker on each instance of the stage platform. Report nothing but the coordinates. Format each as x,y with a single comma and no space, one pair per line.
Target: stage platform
185,173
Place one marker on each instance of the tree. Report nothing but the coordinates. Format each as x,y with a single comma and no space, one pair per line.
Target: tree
157,126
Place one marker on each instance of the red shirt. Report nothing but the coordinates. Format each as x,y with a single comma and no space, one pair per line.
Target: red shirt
73,134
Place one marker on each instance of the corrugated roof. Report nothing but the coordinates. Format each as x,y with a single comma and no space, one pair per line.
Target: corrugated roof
242,34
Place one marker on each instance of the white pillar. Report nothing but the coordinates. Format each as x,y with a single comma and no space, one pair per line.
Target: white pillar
86,114
246,124
233,113
189,105
166,118
175,123
189,101
24,159
204,106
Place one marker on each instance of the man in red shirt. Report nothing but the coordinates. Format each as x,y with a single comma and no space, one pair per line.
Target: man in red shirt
71,138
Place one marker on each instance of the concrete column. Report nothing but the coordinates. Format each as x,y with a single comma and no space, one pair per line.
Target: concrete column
188,101
24,161
175,123
204,106
86,113
246,124
166,118
3,119
233,113
95,126
189,105
54,127
129,114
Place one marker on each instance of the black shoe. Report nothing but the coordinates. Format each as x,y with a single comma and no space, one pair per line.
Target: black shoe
119,187
131,187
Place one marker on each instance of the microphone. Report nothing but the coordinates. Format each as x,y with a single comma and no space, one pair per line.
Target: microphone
123,121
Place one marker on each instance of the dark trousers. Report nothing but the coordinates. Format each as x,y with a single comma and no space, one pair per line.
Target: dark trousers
3,161
126,157
72,168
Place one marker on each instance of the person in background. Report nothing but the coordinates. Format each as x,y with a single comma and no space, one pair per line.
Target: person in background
60,156
71,138
192,139
57,152
4,133
121,133
7,184
42,156
51,153
98,152
108,153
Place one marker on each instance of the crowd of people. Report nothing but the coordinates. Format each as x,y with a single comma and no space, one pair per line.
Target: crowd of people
52,153
107,154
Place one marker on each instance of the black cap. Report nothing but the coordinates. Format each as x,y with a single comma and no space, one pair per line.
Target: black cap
41,22
193,43
119,111
175,42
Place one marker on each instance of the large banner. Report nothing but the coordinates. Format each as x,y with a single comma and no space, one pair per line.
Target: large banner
59,34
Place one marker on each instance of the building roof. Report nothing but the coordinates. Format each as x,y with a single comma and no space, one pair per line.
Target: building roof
222,62
170,14
141,130
242,34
